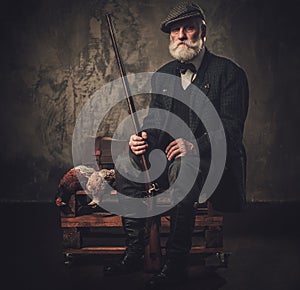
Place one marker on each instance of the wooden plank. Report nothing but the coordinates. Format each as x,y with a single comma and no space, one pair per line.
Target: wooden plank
214,238
102,220
96,250
92,220
120,250
201,220
71,238
209,221
202,249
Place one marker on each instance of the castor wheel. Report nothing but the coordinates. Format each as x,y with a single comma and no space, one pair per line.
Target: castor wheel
223,258
68,259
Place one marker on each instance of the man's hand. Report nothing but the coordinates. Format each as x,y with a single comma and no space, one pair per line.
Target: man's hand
178,148
138,144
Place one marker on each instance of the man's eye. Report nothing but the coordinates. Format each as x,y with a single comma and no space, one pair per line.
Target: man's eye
175,29
190,28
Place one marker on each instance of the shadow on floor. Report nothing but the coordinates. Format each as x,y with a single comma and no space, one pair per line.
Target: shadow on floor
264,242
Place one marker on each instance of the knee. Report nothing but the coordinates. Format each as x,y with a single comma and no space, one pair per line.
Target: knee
128,187
173,170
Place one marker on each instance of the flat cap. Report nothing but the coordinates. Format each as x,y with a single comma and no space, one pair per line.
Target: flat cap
183,10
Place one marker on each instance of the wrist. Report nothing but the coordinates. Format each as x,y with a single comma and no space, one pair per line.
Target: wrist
192,148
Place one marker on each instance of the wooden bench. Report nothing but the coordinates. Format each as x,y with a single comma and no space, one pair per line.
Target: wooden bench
95,231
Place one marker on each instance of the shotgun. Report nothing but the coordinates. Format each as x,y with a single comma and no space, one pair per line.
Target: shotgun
152,249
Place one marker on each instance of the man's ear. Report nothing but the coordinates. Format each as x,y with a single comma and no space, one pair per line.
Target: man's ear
203,30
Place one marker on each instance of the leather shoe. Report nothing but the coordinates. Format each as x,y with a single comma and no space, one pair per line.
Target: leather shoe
170,276
128,264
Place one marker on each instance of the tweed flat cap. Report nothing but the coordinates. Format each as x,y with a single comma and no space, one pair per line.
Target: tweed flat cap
183,10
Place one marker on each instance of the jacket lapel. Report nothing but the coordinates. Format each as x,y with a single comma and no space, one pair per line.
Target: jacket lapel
195,103
201,71
204,86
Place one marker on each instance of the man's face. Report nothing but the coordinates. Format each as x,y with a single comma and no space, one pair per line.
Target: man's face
185,39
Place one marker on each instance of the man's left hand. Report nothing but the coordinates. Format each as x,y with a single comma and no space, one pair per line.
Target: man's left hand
179,148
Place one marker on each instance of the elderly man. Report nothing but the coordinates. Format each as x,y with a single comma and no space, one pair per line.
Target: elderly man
225,85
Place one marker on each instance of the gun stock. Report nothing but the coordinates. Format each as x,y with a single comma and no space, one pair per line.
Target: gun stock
153,249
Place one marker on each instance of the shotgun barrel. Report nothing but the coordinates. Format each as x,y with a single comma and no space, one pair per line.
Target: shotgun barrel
153,249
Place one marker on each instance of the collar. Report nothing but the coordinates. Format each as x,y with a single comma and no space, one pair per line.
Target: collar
188,77
197,60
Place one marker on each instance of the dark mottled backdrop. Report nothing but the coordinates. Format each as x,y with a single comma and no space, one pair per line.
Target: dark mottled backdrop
55,54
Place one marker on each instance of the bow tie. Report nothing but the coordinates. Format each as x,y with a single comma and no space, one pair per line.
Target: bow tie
183,67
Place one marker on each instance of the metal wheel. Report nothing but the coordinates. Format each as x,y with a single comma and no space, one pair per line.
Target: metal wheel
223,258
68,259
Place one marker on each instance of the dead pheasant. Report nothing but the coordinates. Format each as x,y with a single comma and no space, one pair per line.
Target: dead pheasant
83,178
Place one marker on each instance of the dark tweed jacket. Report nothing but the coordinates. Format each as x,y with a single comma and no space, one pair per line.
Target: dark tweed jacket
226,86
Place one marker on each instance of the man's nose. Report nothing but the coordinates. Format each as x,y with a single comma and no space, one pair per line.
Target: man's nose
182,35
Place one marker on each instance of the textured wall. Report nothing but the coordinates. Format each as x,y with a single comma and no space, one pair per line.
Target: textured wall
55,54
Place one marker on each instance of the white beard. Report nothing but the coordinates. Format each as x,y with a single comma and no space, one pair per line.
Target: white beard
185,50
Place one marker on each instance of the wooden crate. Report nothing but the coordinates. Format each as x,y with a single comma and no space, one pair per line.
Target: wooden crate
207,236
78,224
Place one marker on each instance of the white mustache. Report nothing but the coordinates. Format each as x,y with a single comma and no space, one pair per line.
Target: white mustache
182,42
188,43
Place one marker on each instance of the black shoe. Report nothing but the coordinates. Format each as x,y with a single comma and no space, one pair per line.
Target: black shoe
128,264
171,275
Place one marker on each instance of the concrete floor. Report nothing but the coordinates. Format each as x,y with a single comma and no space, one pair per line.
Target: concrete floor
264,241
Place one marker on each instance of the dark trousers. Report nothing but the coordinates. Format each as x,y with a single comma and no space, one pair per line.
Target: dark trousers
182,215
